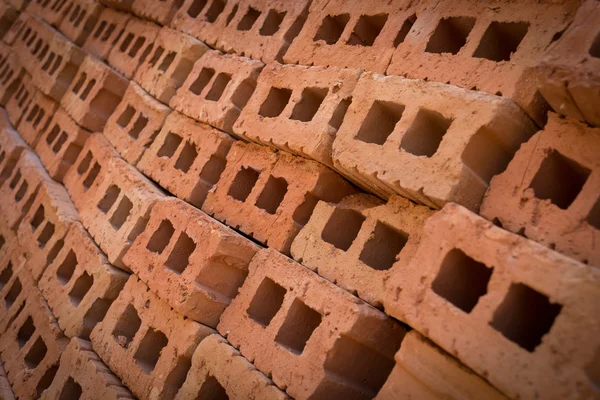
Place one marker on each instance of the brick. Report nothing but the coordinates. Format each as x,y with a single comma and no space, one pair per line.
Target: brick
6,392
271,195
52,13
217,89
133,46
19,102
356,34
108,30
161,12
360,242
35,36
112,197
82,373
298,108
18,26
18,4
568,76
311,337
457,43
37,117
192,262
81,21
94,94
10,74
549,192
487,288
217,368
186,158
80,284
122,5
435,143
167,67
11,147
145,343
8,16
12,279
8,239
424,371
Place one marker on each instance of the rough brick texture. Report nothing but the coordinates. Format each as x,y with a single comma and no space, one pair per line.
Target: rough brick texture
161,12
8,15
123,5
270,195
94,94
360,242
16,28
550,190
433,143
219,369
298,109
81,20
19,102
52,13
192,262
166,68
8,240
11,147
82,374
186,158
12,281
112,197
108,30
37,117
10,73
312,337
146,344
33,31
6,392
487,288
134,124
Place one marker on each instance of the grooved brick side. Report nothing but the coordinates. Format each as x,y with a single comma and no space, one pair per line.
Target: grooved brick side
8,16
5,390
161,12
10,73
81,20
12,281
19,102
108,30
37,117
16,28
197,267
487,288
11,147
33,31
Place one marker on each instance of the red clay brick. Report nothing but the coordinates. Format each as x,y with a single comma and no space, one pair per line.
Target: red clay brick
217,368
11,147
112,197
108,30
52,13
81,20
12,280
217,89
161,12
82,374
19,25
298,108
145,343
37,117
122,5
550,190
312,337
18,4
487,288
360,242
8,16
192,262
134,124
434,143
8,239
10,73
94,94
34,34
186,158
6,392
19,102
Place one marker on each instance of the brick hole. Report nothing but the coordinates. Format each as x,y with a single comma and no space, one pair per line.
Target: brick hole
57,63
203,78
218,87
74,14
60,142
26,34
340,113
109,199
138,126
211,389
525,316
38,218
426,132
46,380
462,280
595,48
266,302
48,62
82,286
64,273
91,177
6,274
27,330
71,390
38,46
93,316
58,245
167,61
33,113
342,228
157,55
186,157
272,194
216,8
380,122
272,22
77,87
559,180
126,116
304,211
243,183
178,375
149,350
109,32
31,39
249,19
21,192
299,325
22,102
275,103
36,354
13,293
209,176
86,92
310,101
593,217
9,76
127,326
46,234
104,103
170,145
161,237
501,40
179,258
117,38
121,214
38,119
125,44
367,29
196,7
332,28
381,250
243,92
16,178
80,19
181,71
231,14
450,35
100,29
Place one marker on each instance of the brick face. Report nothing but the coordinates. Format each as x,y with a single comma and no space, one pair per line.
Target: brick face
10,73
11,147
37,117
106,33
161,12
12,281
81,20
18,104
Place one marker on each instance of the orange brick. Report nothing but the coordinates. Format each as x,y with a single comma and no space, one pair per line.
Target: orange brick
52,13
37,117
81,21
11,147
18,26
108,30
34,34
161,12
122,5
17,105
8,239
11,284
10,73
8,15
5,390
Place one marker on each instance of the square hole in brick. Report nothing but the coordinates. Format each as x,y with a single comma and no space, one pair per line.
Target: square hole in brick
82,285
36,354
595,47
218,87
121,213
367,29
167,61
60,142
91,177
84,165
156,56
462,280
196,7
594,216
450,35
71,390
299,325
186,157
109,199
202,80
138,126
46,380
425,134
13,293
331,28
243,183
179,258
211,389
149,350
382,248
406,27
559,180
177,376
6,274
27,330
249,19
161,237
525,316
380,122
46,234
266,302
170,145
215,9
38,218
21,192
275,102
126,116
272,23
127,326
65,271
272,195
310,101
501,40
342,228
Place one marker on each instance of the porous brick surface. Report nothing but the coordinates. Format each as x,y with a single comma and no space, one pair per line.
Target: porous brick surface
12,280
360,242
8,15
217,89
219,369
161,12
191,261
311,337
81,19
270,195
108,30
186,158
487,288
37,117
146,344
79,284
433,143
11,73
550,190
298,109
5,390
18,103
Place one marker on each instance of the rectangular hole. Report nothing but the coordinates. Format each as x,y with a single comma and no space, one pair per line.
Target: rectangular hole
450,35
243,93
342,228
367,29
89,180
406,27
196,7
186,157
65,271
501,40
219,279
381,251
21,192
109,199
149,350
243,183
52,134
108,33
100,29
46,234
167,61
213,169
304,211
77,87
85,163
94,315
425,134
60,142
218,87
275,102
157,55
272,22
216,8
595,47
380,122
71,390
170,145
266,302
161,237
56,248
203,78
13,293
300,323
180,255
272,194
125,44
249,19
310,101
16,178
38,218
138,126
46,380
26,332
36,354
211,389
127,326
121,214
331,28
82,286
593,217
126,116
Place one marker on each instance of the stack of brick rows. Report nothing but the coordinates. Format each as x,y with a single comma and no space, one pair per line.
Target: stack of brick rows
308,199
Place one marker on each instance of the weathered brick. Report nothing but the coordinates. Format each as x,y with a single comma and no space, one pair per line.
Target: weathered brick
217,89
108,30
434,143
11,284
360,242
312,337
145,343
161,12
486,288
192,262
298,108
37,117
16,28
34,34
10,73
6,392
81,21
8,16
11,147
19,102
8,239
219,369
186,158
